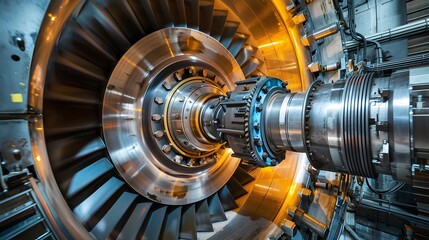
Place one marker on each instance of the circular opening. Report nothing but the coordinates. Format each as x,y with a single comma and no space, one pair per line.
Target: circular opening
15,58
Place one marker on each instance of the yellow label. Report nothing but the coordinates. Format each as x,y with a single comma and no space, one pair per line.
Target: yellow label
16,97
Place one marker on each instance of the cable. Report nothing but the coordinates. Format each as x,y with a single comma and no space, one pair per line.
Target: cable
393,189
340,14
360,38
352,32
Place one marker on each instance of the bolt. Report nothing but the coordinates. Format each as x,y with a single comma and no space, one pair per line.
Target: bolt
256,126
306,194
156,117
158,134
259,107
166,85
257,142
176,115
166,149
258,98
177,76
204,72
246,87
158,100
273,162
265,155
284,84
289,227
265,89
179,131
178,159
191,162
192,71
291,211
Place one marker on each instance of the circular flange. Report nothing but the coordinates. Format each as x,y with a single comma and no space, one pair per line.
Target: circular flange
182,117
138,92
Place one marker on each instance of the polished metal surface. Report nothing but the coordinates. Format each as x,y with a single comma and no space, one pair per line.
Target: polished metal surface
78,48
182,117
124,96
285,122
130,116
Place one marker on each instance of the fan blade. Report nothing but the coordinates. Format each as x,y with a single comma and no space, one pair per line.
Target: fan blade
202,217
106,225
171,226
188,226
135,221
217,213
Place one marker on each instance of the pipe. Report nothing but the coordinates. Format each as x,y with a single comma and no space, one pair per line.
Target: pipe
405,30
399,63
352,232
420,219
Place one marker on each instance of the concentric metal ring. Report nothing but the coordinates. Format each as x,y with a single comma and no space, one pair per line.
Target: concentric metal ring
133,109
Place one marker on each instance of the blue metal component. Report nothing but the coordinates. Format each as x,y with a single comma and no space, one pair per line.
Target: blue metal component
258,143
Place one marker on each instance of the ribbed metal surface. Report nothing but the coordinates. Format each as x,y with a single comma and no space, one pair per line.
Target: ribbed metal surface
356,125
78,49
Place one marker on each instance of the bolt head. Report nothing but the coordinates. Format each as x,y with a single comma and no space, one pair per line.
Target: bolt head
177,76
289,227
166,148
259,107
166,85
306,194
258,142
192,71
158,100
284,84
176,115
265,155
178,159
156,117
264,89
256,126
159,134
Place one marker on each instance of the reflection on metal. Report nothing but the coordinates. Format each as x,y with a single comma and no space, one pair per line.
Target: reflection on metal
79,45
158,167
274,191
133,107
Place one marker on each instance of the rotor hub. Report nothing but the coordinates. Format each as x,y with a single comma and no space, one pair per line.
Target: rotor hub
159,115
188,117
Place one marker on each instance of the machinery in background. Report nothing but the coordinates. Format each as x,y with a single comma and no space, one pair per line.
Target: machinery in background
214,119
